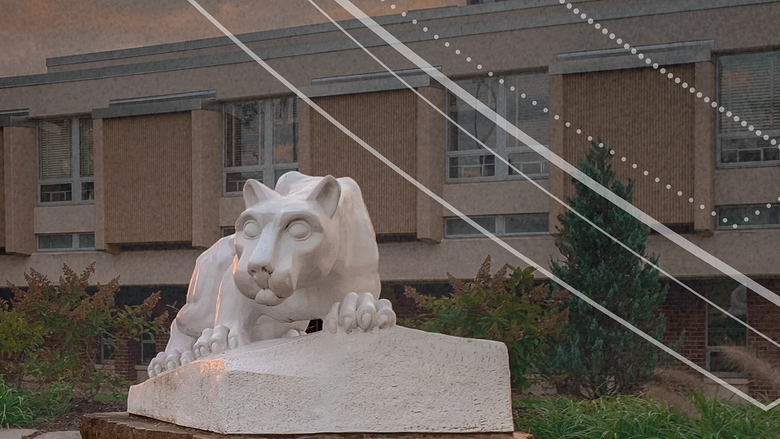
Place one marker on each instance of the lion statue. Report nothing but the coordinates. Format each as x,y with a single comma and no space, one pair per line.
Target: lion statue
300,252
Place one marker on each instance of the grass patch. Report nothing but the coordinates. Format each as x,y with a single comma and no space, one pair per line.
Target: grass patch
632,417
118,397
22,408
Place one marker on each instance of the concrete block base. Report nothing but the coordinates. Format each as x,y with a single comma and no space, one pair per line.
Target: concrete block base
398,380
126,426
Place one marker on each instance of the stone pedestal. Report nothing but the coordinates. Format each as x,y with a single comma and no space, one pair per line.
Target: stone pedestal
125,426
390,381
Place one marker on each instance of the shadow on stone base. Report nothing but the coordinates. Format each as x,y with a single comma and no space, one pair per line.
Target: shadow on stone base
125,426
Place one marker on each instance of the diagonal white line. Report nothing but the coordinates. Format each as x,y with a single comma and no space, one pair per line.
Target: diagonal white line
460,214
535,183
554,158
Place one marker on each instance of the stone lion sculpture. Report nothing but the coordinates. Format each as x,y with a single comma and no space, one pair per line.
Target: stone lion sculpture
303,251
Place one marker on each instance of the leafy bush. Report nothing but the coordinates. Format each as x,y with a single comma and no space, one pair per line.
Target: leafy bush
632,417
504,307
21,408
52,333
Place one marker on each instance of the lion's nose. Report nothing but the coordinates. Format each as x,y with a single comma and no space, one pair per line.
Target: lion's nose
260,267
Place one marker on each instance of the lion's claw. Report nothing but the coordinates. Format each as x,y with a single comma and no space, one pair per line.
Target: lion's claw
218,340
360,313
168,361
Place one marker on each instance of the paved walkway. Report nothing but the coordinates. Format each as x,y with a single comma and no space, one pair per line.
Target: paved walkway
19,433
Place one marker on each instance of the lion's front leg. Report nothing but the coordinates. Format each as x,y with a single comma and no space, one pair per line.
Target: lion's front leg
361,313
233,324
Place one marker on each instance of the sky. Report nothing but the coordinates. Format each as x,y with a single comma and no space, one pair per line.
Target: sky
33,30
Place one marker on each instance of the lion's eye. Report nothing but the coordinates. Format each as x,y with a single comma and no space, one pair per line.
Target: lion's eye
299,230
252,229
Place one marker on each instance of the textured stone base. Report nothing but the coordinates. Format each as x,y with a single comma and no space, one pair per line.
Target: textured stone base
125,426
391,381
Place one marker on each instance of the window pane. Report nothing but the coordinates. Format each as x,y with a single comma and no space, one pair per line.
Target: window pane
529,163
106,351
747,216
526,223
244,135
749,87
718,363
87,240
54,140
234,181
526,112
285,130
55,242
148,348
721,329
456,226
472,166
486,91
227,231
86,148
56,192
88,190
748,149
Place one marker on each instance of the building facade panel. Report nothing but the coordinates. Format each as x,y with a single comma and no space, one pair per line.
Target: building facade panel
64,219
149,203
430,163
644,118
386,121
20,187
703,138
206,176
2,192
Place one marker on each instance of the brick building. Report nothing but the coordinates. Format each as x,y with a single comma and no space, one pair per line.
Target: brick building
135,158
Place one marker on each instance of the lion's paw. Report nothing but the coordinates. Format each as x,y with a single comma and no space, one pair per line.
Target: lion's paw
168,361
218,340
361,313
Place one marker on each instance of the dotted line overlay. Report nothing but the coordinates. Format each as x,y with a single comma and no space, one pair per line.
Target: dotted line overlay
648,61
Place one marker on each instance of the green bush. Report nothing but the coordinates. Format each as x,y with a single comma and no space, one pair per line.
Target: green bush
597,355
51,333
22,408
505,307
632,417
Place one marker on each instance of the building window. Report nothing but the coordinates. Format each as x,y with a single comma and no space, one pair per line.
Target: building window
749,217
66,242
722,330
227,231
518,98
148,348
499,225
106,351
749,89
261,142
65,161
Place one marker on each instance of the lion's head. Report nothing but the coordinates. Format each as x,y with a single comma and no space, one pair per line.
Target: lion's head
286,240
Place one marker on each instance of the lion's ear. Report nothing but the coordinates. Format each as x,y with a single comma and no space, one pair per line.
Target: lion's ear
256,192
327,194
286,181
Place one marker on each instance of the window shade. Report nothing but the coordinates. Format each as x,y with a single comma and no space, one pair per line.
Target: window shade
285,130
54,139
86,147
522,112
486,91
750,89
243,135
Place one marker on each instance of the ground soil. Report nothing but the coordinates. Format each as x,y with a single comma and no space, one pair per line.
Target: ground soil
70,419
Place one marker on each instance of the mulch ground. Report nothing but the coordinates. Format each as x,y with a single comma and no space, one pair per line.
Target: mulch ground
70,420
